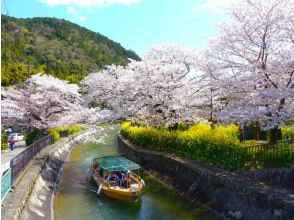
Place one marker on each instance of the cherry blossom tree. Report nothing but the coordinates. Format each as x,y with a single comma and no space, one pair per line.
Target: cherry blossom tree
44,101
161,87
211,87
255,56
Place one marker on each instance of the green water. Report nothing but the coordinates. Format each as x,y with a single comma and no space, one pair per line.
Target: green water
76,198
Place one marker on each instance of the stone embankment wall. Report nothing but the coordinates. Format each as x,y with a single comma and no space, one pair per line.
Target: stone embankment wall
280,177
40,181
233,196
41,202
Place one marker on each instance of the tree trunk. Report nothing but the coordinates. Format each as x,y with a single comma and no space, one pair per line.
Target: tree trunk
174,127
274,135
256,131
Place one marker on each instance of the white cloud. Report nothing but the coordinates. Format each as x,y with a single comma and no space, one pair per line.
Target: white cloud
76,14
82,18
72,10
217,6
89,3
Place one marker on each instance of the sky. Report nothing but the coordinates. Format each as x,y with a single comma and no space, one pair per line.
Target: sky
138,25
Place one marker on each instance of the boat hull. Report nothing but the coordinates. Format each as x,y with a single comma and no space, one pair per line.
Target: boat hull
117,192
121,194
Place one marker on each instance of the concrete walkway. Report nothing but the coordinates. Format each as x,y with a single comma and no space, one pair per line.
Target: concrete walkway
8,155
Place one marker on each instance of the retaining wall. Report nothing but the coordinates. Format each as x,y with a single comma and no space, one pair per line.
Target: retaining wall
233,196
279,177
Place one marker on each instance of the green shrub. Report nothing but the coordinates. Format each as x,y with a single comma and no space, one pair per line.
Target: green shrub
4,139
56,132
33,136
62,128
182,126
287,132
74,129
4,146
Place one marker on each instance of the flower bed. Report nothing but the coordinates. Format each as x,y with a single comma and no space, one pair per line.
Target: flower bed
217,146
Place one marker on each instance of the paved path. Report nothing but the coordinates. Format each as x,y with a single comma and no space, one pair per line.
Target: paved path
7,156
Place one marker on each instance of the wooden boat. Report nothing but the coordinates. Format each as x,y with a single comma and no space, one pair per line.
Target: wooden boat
116,177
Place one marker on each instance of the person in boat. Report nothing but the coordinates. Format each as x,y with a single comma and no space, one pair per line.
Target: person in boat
101,171
119,177
95,166
112,177
126,181
121,181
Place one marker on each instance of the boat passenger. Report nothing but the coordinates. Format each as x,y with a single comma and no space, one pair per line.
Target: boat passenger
118,175
127,181
121,181
108,177
95,166
101,171
112,177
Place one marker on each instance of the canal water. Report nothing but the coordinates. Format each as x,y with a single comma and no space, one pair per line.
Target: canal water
77,198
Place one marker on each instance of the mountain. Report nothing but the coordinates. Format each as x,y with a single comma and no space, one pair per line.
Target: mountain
55,46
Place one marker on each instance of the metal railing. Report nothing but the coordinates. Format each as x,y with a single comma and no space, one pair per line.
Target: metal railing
268,152
5,184
19,162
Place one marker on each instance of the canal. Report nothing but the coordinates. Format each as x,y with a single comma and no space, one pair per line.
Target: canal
77,198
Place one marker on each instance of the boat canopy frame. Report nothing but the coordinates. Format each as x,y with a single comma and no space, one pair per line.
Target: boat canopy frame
116,163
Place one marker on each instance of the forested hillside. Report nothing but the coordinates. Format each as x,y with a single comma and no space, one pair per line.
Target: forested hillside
54,46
